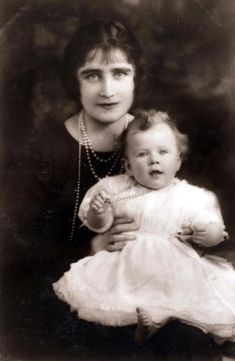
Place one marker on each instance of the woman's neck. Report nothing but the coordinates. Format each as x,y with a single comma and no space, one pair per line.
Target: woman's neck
102,136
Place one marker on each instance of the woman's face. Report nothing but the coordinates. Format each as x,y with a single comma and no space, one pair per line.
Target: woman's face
106,86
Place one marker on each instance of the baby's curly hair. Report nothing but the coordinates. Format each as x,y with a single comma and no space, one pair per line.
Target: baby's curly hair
145,119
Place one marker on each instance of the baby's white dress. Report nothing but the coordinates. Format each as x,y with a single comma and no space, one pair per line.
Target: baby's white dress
156,271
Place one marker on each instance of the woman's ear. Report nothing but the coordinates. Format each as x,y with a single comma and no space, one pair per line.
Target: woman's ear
127,167
179,162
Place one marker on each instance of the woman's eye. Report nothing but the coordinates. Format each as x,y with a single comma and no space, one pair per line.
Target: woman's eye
119,74
92,77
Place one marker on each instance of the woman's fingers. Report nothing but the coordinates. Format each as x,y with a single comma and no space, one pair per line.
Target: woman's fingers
122,237
122,225
117,246
117,237
123,220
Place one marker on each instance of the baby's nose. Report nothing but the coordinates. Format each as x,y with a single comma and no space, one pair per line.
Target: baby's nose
154,158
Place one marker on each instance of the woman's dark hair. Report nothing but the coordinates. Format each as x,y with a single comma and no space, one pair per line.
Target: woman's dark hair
104,35
144,120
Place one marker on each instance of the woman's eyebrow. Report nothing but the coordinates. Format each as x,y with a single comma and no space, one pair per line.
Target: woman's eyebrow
89,71
86,71
122,68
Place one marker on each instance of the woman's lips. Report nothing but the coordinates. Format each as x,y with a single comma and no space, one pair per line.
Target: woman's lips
107,105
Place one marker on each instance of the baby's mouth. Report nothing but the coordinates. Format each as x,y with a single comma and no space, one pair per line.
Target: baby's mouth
155,173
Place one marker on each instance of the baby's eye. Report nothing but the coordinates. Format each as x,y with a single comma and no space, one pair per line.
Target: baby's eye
142,154
163,151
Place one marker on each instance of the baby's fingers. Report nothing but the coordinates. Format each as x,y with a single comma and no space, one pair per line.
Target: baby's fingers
97,205
199,227
94,205
104,197
198,238
200,235
185,235
184,238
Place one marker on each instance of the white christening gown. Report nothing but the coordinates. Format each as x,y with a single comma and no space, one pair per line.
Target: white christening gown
156,271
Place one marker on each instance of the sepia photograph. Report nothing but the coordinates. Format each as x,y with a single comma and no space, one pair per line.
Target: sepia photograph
117,175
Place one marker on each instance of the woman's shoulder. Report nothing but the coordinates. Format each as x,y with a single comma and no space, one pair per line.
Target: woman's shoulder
72,126
52,137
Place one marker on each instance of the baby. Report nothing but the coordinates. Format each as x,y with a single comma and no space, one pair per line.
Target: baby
156,277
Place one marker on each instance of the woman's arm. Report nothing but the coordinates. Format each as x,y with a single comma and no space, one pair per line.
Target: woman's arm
116,237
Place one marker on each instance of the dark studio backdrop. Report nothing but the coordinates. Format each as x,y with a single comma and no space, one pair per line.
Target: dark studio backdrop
189,48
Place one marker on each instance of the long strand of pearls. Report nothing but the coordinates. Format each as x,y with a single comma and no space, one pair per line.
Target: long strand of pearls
89,150
88,147
88,143
75,212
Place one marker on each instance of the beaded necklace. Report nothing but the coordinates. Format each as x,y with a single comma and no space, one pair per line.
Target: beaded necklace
75,212
82,135
90,151
137,191
88,145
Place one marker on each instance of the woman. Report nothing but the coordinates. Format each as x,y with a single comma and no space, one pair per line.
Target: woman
101,67
102,64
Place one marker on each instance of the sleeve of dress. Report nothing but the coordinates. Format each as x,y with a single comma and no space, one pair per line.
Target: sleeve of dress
205,208
104,184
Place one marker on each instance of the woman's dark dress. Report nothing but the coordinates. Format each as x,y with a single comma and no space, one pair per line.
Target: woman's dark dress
38,213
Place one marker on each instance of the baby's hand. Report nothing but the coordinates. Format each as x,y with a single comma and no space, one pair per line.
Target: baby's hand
100,202
207,235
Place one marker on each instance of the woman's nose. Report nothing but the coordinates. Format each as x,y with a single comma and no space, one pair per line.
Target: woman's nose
107,89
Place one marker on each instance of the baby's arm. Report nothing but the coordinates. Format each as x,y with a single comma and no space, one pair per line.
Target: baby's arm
208,234
100,212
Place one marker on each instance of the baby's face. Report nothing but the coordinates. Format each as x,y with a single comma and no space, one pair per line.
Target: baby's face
152,156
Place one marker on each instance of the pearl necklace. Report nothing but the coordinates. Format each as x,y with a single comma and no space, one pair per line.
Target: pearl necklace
87,141
76,204
82,130
90,151
137,192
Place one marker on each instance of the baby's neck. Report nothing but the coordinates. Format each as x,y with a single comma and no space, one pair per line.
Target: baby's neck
168,185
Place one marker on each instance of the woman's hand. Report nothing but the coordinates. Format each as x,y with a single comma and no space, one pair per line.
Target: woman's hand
116,237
